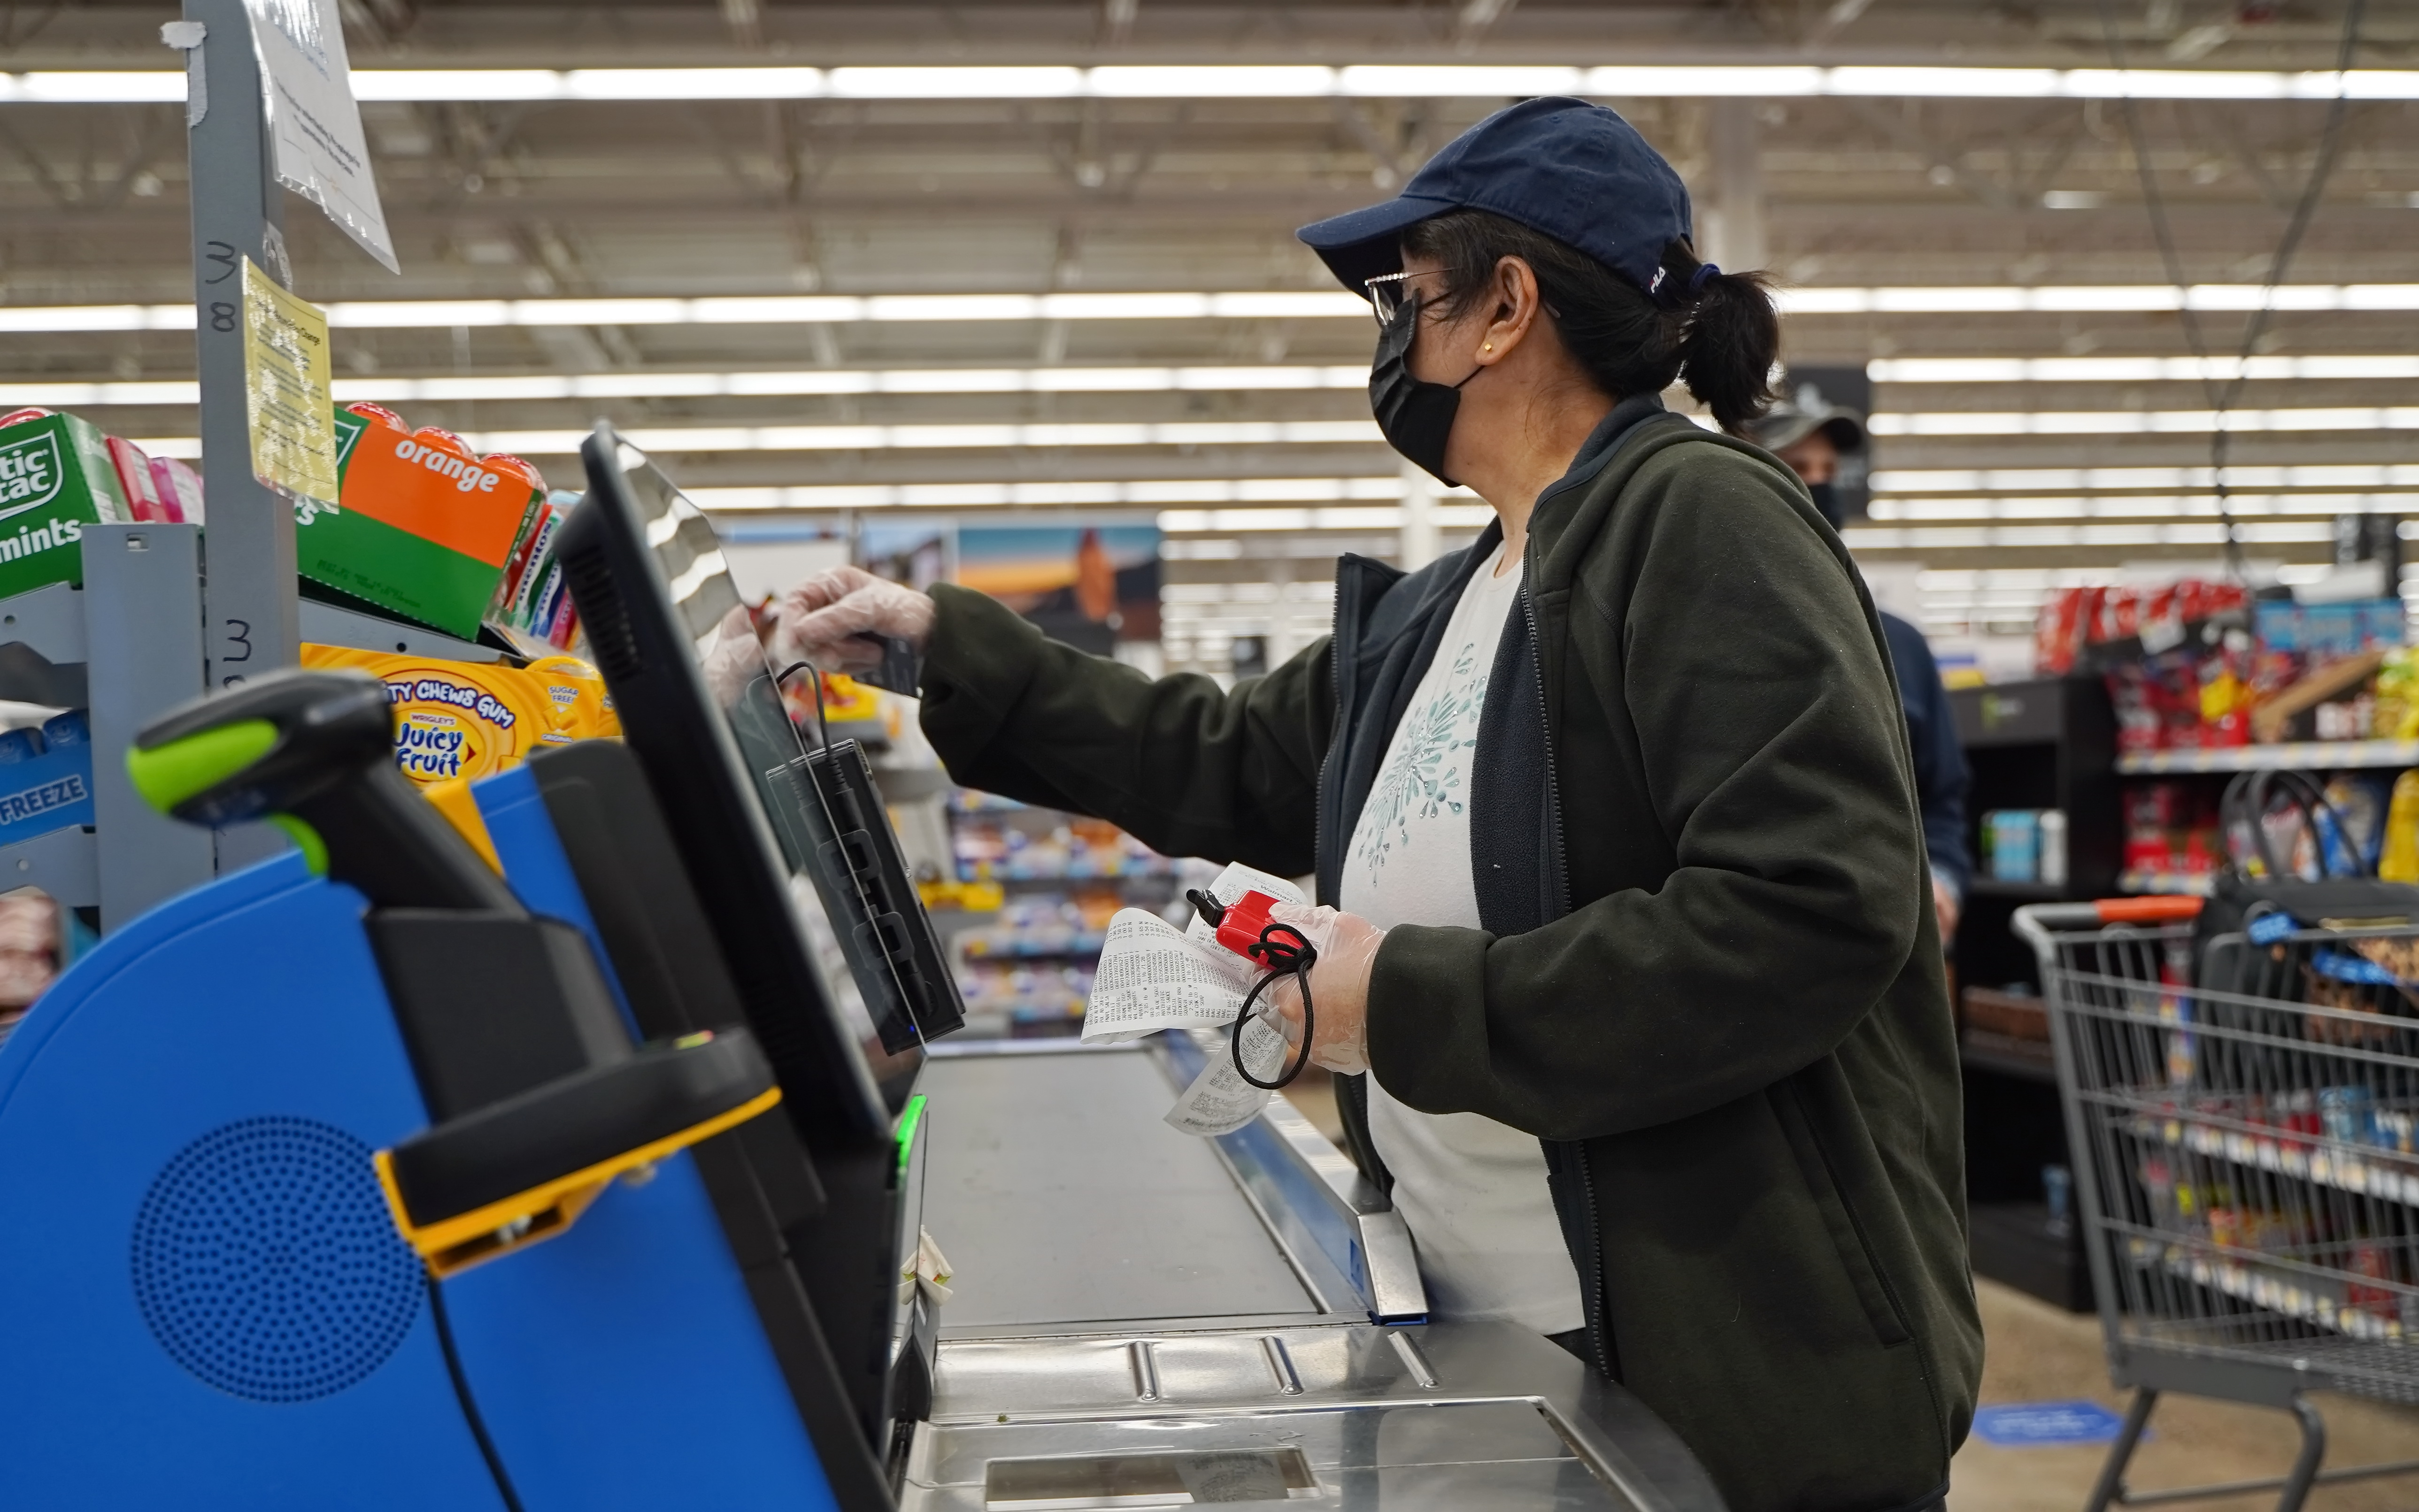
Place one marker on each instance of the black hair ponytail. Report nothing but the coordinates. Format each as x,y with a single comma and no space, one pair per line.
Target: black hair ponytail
1718,332
1732,339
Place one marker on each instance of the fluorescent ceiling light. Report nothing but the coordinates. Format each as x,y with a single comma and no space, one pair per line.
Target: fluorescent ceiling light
1264,81
817,380
2397,475
1897,511
1148,493
694,439
392,388
2132,369
1921,538
2139,422
1287,304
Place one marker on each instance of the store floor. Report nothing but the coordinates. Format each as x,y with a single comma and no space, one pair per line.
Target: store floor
2035,1352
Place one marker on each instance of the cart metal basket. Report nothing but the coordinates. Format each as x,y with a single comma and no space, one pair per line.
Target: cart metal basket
2245,1134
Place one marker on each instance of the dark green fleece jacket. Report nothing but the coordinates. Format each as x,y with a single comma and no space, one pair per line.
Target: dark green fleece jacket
1711,984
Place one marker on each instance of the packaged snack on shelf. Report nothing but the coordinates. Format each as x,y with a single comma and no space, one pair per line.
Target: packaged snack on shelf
2395,713
2171,828
2072,620
55,478
467,719
45,785
2398,859
534,601
578,693
2323,632
179,488
423,529
135,482
2362,799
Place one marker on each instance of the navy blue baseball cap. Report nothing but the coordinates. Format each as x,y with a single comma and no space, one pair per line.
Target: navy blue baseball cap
1575,171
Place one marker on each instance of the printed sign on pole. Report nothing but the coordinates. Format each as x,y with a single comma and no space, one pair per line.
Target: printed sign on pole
288,399
308,88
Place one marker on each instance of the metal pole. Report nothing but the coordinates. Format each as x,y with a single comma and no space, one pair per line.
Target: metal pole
1737,221
247,592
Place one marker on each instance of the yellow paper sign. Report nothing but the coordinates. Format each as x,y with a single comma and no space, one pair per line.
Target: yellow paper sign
287,399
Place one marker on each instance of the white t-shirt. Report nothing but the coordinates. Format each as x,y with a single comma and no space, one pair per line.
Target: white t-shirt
1473,1190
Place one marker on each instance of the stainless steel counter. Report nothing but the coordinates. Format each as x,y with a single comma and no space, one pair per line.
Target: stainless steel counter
1142,1319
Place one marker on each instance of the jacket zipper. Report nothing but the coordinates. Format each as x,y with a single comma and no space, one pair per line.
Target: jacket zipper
1598,1328
1335,737
1545,727
1595,1320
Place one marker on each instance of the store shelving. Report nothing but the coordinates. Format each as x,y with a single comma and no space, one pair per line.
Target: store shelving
2045,744
2192,883
2362,1171
2031,893
2303,755
2032,1062
2310,1298
1027,965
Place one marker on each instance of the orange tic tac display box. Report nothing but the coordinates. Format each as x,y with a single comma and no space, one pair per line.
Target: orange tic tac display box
423,527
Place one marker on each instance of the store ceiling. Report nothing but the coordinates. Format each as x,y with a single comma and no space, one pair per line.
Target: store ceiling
1995,468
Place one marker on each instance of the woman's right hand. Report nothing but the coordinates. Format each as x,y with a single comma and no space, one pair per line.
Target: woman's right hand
819,620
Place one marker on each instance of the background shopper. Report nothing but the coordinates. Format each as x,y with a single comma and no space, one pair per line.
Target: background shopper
1811,441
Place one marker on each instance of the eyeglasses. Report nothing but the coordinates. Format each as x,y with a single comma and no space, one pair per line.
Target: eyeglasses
1390,292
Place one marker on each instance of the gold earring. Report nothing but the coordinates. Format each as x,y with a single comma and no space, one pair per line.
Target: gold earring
1488,347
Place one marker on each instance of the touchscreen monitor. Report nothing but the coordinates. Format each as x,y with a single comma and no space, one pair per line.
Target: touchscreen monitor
702,709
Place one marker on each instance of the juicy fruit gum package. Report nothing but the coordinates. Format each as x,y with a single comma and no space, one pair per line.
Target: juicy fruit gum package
56,476
468,720
423,527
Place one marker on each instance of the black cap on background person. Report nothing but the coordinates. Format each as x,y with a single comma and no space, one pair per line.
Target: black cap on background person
1812,438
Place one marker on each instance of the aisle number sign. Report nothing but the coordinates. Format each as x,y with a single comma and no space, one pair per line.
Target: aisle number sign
307,81
287,394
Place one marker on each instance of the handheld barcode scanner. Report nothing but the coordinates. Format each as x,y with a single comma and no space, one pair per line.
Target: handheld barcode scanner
1244,927
314,754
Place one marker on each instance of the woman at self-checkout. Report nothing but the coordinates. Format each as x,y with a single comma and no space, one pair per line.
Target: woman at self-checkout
1625,952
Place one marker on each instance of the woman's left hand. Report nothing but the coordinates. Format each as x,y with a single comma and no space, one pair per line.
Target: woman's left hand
1339,985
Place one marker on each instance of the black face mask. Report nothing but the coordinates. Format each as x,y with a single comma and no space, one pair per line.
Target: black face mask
1414,415
1826,501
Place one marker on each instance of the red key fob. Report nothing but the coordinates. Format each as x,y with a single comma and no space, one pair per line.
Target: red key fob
1237,924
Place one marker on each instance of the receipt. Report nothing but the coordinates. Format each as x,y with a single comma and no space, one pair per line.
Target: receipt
1153,976
1219,1101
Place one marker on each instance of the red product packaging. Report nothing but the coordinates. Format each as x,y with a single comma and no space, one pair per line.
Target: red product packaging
179,488
135,481
2057,632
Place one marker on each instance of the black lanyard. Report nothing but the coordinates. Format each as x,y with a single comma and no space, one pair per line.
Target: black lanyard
1284,949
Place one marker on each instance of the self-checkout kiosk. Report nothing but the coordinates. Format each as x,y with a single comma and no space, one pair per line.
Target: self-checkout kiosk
527,1158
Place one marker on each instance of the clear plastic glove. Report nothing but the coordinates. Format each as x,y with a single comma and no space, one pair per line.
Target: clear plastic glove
819,620
735,660
1339,985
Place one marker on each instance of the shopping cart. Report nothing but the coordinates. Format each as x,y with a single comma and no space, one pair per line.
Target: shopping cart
2244,1129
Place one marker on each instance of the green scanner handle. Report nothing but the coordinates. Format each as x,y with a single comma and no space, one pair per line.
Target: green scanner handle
314,753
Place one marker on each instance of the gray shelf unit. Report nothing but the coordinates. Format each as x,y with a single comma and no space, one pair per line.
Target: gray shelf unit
128,647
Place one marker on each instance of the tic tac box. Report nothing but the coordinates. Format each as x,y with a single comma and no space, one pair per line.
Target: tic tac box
55,478
423,528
